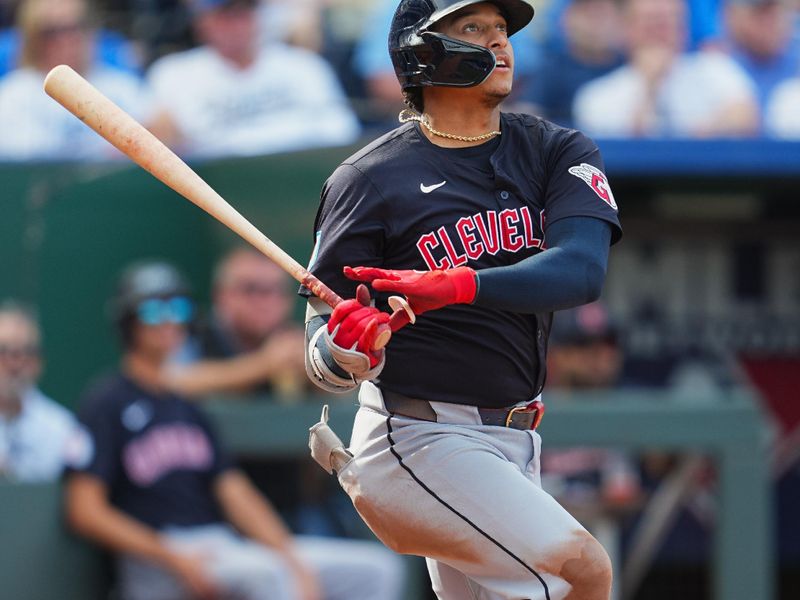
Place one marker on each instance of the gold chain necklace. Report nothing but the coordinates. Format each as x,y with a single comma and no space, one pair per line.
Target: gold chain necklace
407,115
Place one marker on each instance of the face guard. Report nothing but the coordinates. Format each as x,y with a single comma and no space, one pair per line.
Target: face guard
427,58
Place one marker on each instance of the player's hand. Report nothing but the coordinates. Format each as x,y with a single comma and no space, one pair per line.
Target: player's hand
190,569
308,585
425,290
352,330
282,354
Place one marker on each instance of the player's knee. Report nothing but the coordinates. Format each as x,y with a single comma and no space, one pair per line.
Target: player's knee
590,575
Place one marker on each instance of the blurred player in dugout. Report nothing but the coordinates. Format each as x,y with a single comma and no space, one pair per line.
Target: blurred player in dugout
248,343
248,346
153,484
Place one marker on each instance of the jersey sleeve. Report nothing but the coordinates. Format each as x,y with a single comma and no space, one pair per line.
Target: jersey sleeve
100,442
350,229
578,186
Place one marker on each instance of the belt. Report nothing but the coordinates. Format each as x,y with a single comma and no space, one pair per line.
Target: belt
527,416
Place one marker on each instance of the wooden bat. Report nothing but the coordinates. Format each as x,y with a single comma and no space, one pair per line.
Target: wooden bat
108,120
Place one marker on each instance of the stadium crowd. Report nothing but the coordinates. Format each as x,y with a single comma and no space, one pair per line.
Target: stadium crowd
249,77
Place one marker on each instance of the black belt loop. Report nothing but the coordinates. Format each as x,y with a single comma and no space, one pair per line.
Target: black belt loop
517,417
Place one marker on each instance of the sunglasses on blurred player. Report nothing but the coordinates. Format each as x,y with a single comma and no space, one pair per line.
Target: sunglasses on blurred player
157,311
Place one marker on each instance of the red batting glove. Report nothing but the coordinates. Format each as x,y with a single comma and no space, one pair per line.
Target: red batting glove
358,324
425,290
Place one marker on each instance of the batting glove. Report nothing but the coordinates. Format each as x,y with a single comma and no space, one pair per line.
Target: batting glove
352,330
425,290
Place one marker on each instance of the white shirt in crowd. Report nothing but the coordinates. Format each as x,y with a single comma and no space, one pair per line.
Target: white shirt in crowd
289,99
35,443
699,85
782,117
33,126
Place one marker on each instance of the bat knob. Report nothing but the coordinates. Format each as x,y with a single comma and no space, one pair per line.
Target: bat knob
398,304
383,336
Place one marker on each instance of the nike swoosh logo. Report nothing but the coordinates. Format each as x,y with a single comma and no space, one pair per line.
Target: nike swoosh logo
427,189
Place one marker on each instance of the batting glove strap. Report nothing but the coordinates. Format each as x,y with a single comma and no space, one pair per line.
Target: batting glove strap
321,368
333,368
356,363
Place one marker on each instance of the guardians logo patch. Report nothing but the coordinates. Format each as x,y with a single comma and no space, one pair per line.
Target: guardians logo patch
596,180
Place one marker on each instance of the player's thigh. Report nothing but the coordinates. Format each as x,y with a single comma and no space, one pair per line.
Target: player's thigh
353,569
240,567
251,571
454,496
141,580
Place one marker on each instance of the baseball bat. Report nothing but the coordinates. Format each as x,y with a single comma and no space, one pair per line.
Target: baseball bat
123,132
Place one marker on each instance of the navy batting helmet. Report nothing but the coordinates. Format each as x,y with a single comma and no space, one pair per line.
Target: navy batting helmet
424,58
143,281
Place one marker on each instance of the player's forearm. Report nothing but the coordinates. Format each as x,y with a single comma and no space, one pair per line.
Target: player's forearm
219,376
571,272
247,510
90,514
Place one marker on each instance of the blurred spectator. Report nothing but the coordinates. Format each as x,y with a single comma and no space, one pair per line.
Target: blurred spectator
155,486
158,27
295,22
782,118
237,96
109,48
761,40
34,126
34,431
591,47
663,90
584,355
249,343
702,21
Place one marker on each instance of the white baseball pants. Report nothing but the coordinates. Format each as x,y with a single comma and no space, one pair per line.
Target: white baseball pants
464,495
244,570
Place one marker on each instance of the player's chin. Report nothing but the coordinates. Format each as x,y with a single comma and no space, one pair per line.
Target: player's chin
499,83
494,95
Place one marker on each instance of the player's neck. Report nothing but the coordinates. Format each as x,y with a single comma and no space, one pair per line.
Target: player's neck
468,121
145,371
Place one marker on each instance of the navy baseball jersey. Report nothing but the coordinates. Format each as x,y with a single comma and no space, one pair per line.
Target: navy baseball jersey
157,454
405,203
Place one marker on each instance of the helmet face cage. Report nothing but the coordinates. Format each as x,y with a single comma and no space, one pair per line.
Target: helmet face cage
427,58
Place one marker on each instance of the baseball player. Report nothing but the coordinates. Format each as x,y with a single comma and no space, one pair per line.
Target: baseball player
486,222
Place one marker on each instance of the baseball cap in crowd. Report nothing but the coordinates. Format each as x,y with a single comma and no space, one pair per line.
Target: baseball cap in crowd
583,325
202,6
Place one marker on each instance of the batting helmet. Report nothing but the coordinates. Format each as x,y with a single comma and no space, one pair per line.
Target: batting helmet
426,58
140,282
